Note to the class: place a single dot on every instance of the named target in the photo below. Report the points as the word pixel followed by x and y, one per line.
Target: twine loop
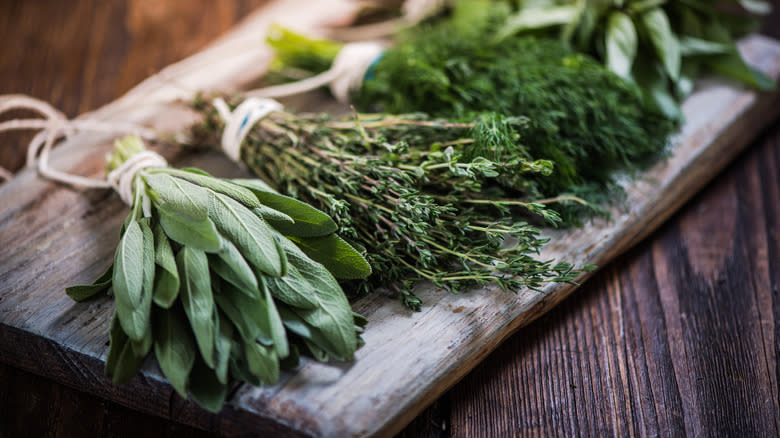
pixel 53 127
pixel 344 76
pixel 240 121
pixel 121 179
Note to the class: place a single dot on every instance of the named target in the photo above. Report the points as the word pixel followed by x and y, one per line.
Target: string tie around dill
pixel 344 77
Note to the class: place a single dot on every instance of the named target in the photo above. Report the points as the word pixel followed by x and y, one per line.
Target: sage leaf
pixel 262 362
pixel 275 326
pixel 621 44
pixel 222 347
pixel 248 315
pixel 175 194
pixel 332 319
pixel 196 233
pixel 238 365
pixel 121 363
pixel 207 391
pixel 336 255
pixel 658 30
pixel 251 235
pixel 231 266
pixel 128 283
pixel 174 348
pixel 651 79
pixel 757 7
pixel 537 18
pixel 690 46
pixel 307 220
pixel 81 292
pixel 218 185
pixel 272 216
pixel 166 283
pixel 197 298
pixel 142 347
pixel 293 289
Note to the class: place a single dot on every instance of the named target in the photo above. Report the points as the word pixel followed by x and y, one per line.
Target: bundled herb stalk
pixel 428 199
pixel 582 117
pixel 222 279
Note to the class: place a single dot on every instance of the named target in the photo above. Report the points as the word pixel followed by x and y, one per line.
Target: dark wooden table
pixel 681 335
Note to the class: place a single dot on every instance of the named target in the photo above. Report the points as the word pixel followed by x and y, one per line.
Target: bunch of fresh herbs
pixel 585 119
pixel 429 199
pixel 663 45
pixel 223 279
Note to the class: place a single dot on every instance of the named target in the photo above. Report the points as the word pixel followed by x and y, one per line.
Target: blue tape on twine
pixel 370 71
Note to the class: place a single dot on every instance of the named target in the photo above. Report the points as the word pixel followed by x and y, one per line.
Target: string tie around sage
pixel 241 120
pixel 55 126
pixel 344 76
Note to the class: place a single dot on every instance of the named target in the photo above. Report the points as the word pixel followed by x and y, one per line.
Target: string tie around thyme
pixel 344 76
pixel 240 121
pixel 55 126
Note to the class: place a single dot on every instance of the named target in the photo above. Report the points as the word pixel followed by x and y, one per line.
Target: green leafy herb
pixel 196 273
pixel 427 199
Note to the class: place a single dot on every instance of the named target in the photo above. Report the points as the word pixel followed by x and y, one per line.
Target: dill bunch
pixel 406 189
pixel 582 117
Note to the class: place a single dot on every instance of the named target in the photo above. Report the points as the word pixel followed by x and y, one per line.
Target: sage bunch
pixel 223 280
pixel 428 199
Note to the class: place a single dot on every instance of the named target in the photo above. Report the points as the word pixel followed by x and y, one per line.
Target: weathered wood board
pixel 53 236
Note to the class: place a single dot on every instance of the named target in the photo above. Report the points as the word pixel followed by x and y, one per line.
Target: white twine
pixel 121 178
pixel 344 76
pixel 239 122
pixel 54 126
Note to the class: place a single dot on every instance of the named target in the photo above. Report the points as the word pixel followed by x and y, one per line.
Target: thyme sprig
pixel 427 198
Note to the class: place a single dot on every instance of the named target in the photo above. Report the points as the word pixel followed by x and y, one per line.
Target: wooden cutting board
pixel 53 236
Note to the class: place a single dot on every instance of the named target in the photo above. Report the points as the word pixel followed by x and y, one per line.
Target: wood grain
pixel 510 398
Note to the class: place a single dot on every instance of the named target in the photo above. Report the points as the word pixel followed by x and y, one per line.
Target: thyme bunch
pixel 428 199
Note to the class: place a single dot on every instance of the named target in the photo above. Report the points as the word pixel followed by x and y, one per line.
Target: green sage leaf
pixel 174 348
pixel 537 18
pixel 338 257
pixel 659 31
pixel 121 363
pixel 196 233
pixel 219 185
pixel 307 220
pixel 293 289
pixel 128 283
pixel 222 347
pixel 251 235
pixel 262 362
pixel 206 389
pixel 332 319
pixel 275 326
pixel 621 44
pixel 166 283
pixel 174 194
pixel 231 266
pixel 248 315
pixel 690 46
pixel 81 292
pixel 197 298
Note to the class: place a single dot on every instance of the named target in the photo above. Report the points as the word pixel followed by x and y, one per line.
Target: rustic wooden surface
pixel 680 335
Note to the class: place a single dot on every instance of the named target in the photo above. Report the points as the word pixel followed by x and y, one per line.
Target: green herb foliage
pixel 583 118
pixel 197 274
pixel 428 199
pixel 660 45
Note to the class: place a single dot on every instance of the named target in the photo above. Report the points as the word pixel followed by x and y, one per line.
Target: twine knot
pixel 240 121
pixel 345 75
pixel 121 179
